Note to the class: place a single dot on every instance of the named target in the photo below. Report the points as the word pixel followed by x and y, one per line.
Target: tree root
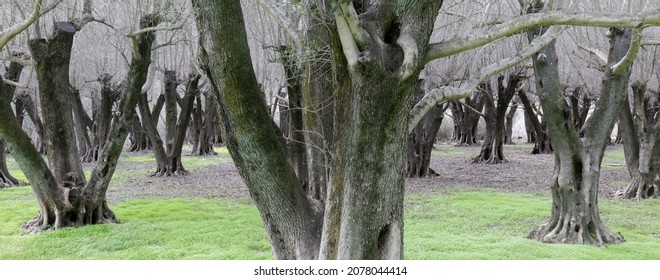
pixel 638 189
pixel 570 232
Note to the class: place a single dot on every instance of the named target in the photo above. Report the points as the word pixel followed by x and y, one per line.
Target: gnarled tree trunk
pixel 420 144
pixel 575 217
pixel 542 143
pixel 640 127
pixel 492 150
pixel 466 119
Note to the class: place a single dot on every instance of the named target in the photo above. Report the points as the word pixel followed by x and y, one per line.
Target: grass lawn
pixel 459 224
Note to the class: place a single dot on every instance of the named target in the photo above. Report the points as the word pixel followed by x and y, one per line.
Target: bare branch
pixel 524 22
pixel 452 93
pixel 11 32
pixel 599 54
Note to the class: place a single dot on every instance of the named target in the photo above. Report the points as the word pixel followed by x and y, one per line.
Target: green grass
pixel 458 224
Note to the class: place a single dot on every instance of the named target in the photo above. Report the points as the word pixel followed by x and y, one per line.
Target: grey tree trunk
pixel 466 117
pixel 541 140
pixel 492 150
pixel 508 136
pixel 168 154
pixel 640 129
pixel 52 57
pixel 204 125
pixel 575 217
pixel 420 144
pixel 294 113
pixel 13 74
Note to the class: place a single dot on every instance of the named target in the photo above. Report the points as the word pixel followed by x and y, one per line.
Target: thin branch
pixel 527 21
pixel 282 21
pixel 453 93
pixel 599 54
pixel 11 32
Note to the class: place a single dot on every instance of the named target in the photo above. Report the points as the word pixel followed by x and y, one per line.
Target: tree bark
pixel 168 154
pixel 296 139
pixel 508 136
pixel 13 74
pixel 466 117
pixel 205 125
pixel 52 57
pixel 102 116
pixel 492 151
pixel 292 221
pixel 422 139
pixel 138 136
pixel 640 127
pixel 575 217
pixel 542 143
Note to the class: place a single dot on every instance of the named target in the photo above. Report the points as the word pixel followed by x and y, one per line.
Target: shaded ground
pixel 215 176
pixel 523 172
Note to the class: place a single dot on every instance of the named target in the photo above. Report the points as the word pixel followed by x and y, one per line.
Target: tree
pixel 640 127
pixel 168 153
pixel 422 139
pixel 13 74
pixel 575 217
pixel 538 133
pixel 492 150
pixel 466 119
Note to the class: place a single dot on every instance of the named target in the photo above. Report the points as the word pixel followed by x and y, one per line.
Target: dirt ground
pixel 522 173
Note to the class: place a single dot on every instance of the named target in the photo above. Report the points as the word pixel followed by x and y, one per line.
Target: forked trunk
pixel 640 129
pixel 466 117
pixel 575 217
pixel 542 144
pixel 420 144
pixel 492 150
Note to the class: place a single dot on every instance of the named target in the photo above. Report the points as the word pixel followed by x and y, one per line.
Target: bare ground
pixel 522 173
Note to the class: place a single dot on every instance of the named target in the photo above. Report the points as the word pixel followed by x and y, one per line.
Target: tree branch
pixel 527 21
pixel 598 53
pixel 627 60
pixel 450 93
pixel 350 33
pixel 11 32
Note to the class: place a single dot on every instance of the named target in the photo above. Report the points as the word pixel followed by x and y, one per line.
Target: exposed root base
pixel 567 233
pixel 638 190
pixel 170 172
pixel 489 160
pixel 101 215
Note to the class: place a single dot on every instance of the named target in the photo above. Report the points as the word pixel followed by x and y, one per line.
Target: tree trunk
pixel 320 81
pixel 52 57
pixel 640 131
pixel 6 180
pixel 67 201
pixel 466 119
pixel 580 104
pixel 296 138
pixel 102 113
pixel 575 218
pixel 541 139
pixel 422 139
pixel 138 136
pixel 205 123
pixel 30 108
pixel 82 123
pixel 168 156
pixel 13 74
pixel 508 136
pixel 492 151
pixel 292 221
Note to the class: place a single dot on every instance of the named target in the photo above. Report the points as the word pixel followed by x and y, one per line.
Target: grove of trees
pixel 327 106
